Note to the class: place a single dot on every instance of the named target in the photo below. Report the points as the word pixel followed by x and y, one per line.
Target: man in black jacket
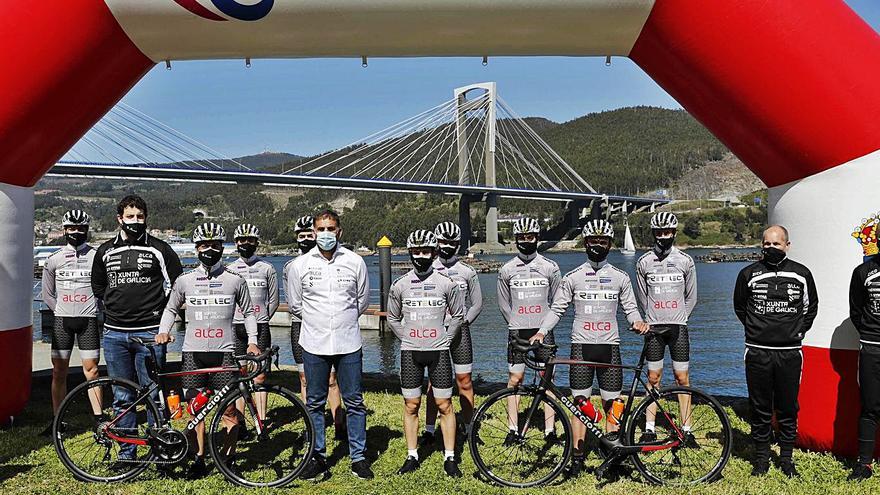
pixel 864 311
pixel 132 275
pixel 776 301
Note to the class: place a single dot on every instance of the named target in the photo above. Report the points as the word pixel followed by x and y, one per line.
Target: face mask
pixel 75 238
pixel 421 263
pixel 527 248
pixel 306 245
pixel 447 252
pixel 597 253
pixel 210 257
pixel 326 240
pixel 773 255
pixel 664 243
pixel 134 229
pixel 247 250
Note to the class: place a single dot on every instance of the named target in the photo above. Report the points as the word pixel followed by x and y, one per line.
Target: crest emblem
pixel 866 234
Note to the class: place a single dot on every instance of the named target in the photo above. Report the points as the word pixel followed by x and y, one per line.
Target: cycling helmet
pixel 664 220
pixel 304 223
pixel 209 232
pixel 526 225
pixel 246 230
pixel 447 231
pixel 75 217
pixel 421 238
pixel 598 228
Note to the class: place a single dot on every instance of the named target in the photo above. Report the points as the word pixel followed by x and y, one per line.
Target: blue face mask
pixel 326 240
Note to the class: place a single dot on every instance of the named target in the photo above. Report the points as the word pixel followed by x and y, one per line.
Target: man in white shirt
pixel 328 290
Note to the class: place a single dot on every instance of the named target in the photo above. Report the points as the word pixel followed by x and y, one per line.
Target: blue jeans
pixel 348 376
pixel 126 359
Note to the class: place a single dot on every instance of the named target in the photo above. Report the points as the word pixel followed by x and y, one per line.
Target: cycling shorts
pixel 264 338
pixel 82 329
pixel 412 373
pixel 462 351
pixel 676 338
pixel 294 343
pixel 192 361
pixel 581 376
pixel 516 360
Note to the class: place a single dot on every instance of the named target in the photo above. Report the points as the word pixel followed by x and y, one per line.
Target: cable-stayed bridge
pixel 474 146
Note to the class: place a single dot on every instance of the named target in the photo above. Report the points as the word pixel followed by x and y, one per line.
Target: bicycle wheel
pixel 276 456
pixel 525 458
pixel 705 453
pixel 83 446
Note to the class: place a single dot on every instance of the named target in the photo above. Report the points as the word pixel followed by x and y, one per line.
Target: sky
pixel 309 106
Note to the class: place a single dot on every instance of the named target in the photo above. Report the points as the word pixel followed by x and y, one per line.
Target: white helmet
pixel 304 223
pixel 209 232
pixel 664 220
pixel 421 238
pixel 246 230
pixel 75 217
pixel 598 228
pixel 526 225
pixel 447 231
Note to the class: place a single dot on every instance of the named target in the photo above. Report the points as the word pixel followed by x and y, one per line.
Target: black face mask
pixel 246 250
pixel 527 248
pixel 210 257
pixel 447 252
pixel 134 230
pixel 306 245
pixel 663 244
pixel 597 253
pixel 75 238
pixel 773 255
pixel 421 264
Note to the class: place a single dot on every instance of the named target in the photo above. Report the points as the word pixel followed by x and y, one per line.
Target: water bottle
pixel 616 411
pixel 587 408
pixel 196 404
pixel 173 403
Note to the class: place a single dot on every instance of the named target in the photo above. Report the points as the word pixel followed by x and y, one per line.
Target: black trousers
pixel 773 378
pixel 869 389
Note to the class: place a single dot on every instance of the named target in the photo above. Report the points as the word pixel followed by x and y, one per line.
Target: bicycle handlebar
pixel 263 361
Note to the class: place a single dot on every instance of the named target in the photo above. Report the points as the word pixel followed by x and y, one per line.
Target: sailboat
pixel 629 248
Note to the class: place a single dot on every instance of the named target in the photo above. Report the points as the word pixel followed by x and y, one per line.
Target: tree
pixel 692 227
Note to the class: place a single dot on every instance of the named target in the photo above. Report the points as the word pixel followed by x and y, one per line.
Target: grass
pixel 28 464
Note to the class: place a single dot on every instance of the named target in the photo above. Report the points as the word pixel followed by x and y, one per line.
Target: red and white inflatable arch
pixel 791 86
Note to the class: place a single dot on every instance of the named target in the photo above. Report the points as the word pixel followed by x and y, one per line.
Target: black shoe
pixel 47 432
pixel 316 469
pixel 788 469
pixel 362 470
pixel 245 434
pixel 511 438
pixel 551 438
pixel 576 467
pixel 122 465
pixel 427 439
pixel 648 437
pixel 860 472
pixel 760 468
pixel 409 465
pixel 197 470
pixel 690 442
pixel 451 468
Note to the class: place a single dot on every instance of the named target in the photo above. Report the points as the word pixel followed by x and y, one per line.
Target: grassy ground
pixel 28 464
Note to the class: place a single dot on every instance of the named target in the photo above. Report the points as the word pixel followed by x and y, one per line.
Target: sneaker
pixel 245 434
pixel 197 470
pixel 316 469
pixel 861 472
pixel 690 442
pixel 47 432
pixel 122 465
pixel 362 470
pixel 576 467
pixel 427 439
pixel 760 468
pixel 788 469
pixel 648 437
pixel 551 438
pixel 511 438
pixel 451 468
pixel 409 465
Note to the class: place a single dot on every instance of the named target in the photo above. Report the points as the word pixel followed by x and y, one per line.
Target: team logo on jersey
pixel 866 234
pixel 236 9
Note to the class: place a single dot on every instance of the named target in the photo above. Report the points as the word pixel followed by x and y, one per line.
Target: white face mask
pixel 326 240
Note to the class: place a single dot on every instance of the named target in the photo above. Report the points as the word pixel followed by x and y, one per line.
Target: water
pixel 716 335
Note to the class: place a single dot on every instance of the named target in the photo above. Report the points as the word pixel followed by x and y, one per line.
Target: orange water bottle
pixel 173 402
pixel 616 411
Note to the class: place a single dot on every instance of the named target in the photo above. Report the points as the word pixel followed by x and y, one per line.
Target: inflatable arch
pixel 790 86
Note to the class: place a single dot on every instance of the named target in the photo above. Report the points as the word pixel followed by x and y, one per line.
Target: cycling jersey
pixel 67 282
pixel 211 299
pixel 525 289
pixel 597 289
pixel 262 285
pixel 468 284
pixel 417 308
pixel 285 276
pixel 864 300
pixel 667 287
pixel 776 304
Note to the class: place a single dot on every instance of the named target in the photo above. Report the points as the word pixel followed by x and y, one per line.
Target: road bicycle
pixel 112 429
pixel 692 444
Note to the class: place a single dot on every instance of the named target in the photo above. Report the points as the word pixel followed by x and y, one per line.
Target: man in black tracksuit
pixel 776 301
pixel 864 311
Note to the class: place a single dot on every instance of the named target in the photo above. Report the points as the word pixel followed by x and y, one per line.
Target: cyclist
pixel 448 237
pixel 526 286
pixel 667 290
pixel 212 294
pixel 597 289
pixel 305 239
pixel 263 287
pixel 425 311
pixel 67 291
